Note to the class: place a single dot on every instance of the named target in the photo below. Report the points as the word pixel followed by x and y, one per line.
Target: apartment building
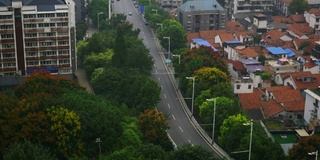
pixel 202 15
pixel 170 3
pixel 37 35
pixel 248 6
pixel 313 18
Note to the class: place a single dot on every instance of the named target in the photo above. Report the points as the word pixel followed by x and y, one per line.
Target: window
pixel 9 65
pixel 63 33
pixel 27 16
pixel 8 74
pixel 7 46
pixel 49 34
pixel 45 62
pixel 30 25
pixel 62 14
pixel 46 43
pixel 6 17
pixel 41 25
pixel 7 36
pixel 238 86
pixel 8 55
pixel 63 52
pixel 48 53
pixel 32 63
pixel 63 43
pixel 64 61
pixel 249 87
pixel 46 15
pixel 6 26
pixel 62 24
pixel 31 44
pixel 31 54
pixel 30 34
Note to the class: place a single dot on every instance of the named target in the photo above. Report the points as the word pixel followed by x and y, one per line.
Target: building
pixel 281 7
pixel 313 18
pixel 170 3
pixel 202 15
pixel 37 35
pixel 248 6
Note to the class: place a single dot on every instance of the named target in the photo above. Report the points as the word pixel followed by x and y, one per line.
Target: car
pixel 136 5
pixel 130 14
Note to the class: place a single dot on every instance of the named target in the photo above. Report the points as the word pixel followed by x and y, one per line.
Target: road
pixel 181 130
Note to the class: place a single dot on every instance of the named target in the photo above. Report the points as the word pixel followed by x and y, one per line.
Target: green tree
pixel 94 61
pixel 120 57
pixel 303 147
pixel 81 30
pixel 98 6
pixel 188 152
pixel 27 150
pixel 225 107
pixel 298 6
pixel 209 77
pixel 175 31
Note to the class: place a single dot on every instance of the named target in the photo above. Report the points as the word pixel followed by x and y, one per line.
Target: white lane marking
pixel 190 142
pixel 159 78
pixel 180 129
pixel 164 95
pixel 161 87
pixel 169 106
pixel 173 117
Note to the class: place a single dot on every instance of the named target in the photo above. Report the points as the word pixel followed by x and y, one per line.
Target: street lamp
pixel 155 10
pixel 314 153
pixel 177 56
pixel 159 24
pixel 214 116
pixel 251 124
pixel 98 140
pixel 168 46
pixel 99 19
pixel 193 83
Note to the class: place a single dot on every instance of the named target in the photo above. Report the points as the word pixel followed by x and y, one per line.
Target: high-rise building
pixel 37 35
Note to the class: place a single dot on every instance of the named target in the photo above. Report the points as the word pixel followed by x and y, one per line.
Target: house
pixel 275 38
pixel 202 15
pixel 197 42
pixel 313 18
pixel 311 111
pixel 282 65
pixel 241 52
pixel 302 81
pixel 170 4
pixel 251 104
pixel 252 67
pixel 300 30
pixel 260 23
pixel 38 35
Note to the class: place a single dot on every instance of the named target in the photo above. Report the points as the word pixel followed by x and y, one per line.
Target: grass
pixel 291 138
pixel 273 125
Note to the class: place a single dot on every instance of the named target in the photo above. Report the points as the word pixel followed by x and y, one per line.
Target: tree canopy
pixel 298 6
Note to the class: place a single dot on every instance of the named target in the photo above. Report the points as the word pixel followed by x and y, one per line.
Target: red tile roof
pixel 251 100
pixel 272 37
pixel 281 19
pixel 210 34
pixel 191 36
pixel 314 11
pixel 300 28
pixel 310 65
pixel 247 52
pixel 226 37
pixel 238 66
pixel 306 85
pixel 291 99
pixel 271 107
pixel 297 18
pixel 233 26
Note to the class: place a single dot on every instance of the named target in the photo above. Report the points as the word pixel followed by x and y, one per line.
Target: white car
pixel 130 14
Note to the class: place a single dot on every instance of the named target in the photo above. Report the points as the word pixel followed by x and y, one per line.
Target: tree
pixel 120 57
pixel 81 30
pixel 27 150
pixel 97 6
pixel 188 152
pixel 303 147
pixel 298 6
pixel 225 107
pixel 94 61
pixel 175 30
pixel 153 126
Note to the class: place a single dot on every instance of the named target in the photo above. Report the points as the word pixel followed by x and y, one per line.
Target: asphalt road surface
pixel 181 131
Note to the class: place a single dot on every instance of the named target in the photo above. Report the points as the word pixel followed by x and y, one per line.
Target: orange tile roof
pixel 306 85
pixel 237 65
pixel 281 19
pixel 191 36
pixel 297 18
pixel 251 100
pixel 226 37
pixel 292 99
pixel 244 33
pixel 248 52
pixel 300 28
pixel 272 37
pixel 233 26
pixel 210 34
pixel 276 88
pixel 314 11
pixel 271 107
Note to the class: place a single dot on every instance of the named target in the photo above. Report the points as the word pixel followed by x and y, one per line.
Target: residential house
pixel 224 37
pixel 282 65
pixel 275 38
pixel 313 18
pixel 236 52
pixel 316 50
pixel 302 81
pixel 202 15
pixel 260 23
pixel 313 67
pixel 252 67
pixel 197 42
pixel 251 104
pixel 37 35
pixel 300 30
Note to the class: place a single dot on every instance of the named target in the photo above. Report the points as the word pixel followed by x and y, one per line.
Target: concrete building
pixel 37 35
pixel 202 15
pixel 281 7
pixel 170 3
pixel 248 6
pixel 313 18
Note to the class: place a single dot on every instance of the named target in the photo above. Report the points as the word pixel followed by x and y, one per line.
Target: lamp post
pixel 251 124
pixel 99 19
pixel 159 24
pixel 214 116
pixel 177 56
pixel 168 46
pixel 98 140
pixel 193 83
pixel 314 153
pixel 155 10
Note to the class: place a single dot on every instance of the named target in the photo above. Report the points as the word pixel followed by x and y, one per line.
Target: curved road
pixel 181 129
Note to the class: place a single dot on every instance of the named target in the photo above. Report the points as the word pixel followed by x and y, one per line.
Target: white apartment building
pixel 313 18
pixel 248 6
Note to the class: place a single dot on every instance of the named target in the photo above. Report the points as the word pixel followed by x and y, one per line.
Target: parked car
pixel 130 14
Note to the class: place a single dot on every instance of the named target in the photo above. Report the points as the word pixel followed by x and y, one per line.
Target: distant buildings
pixel 37 35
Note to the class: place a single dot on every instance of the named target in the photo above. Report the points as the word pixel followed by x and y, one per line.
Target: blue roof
pixel 318 63
pixel 290 52
pixel 249 61
pixel 233 42
pixel 276 50
pixel 202 42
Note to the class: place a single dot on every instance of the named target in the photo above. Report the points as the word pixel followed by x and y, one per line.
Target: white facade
pixel 243 85
pixel 311 109
pixel 313 70
pixel 313 19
